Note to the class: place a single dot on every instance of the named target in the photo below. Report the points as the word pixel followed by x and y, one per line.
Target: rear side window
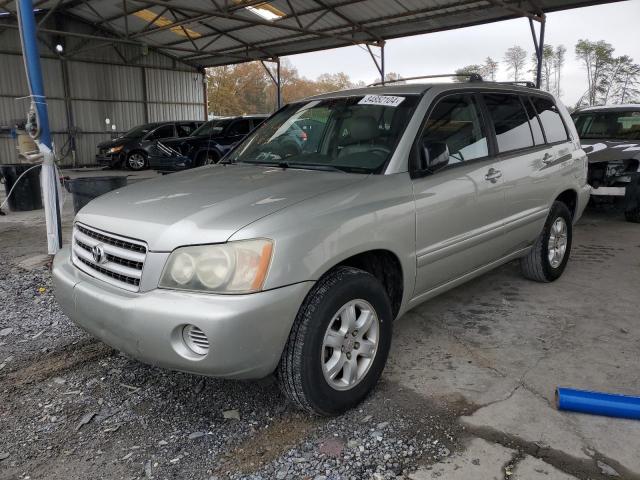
pixel 510 122
pixel 185 129
pixel 164 131
pixel 551 120
pixel 536 129
pixel 453 133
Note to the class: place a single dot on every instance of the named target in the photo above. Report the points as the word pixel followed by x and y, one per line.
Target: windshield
pixel 613 124
pixel 354 134
pixel 140 131
pixel 212 127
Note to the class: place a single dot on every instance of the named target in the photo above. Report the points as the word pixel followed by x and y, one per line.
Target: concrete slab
pixel 505 343
pixel 530 468
pixel 531 419
pixel 481 460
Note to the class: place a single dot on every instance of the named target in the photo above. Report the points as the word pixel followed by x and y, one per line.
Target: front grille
pixel 121 260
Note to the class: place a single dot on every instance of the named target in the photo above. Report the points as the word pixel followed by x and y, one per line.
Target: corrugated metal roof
pixel 200 33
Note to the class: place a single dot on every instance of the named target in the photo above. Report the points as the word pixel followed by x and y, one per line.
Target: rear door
pixel 458 193
pixel 521 149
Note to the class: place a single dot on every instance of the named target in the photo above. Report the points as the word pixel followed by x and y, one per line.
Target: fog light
pixel 195 340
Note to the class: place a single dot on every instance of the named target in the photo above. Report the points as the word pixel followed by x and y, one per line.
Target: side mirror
pixel 435 155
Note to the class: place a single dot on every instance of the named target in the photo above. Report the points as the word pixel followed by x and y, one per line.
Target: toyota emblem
pixel 97 252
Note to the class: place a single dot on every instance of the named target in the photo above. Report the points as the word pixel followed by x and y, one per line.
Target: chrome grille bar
pixel 117 260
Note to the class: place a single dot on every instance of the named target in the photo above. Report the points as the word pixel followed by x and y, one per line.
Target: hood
pixel 113 142
pixel 599 150
pixel 205 205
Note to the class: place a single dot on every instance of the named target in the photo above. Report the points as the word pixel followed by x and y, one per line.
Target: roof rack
pixel 473 77
pixel 526 83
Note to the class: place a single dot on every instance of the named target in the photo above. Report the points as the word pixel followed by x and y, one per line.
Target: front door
pixel 458 194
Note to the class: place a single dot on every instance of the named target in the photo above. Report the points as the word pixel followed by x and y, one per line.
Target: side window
pixel 164 131
pixel 257 122
pixel 185 129
pixel 551 120
pixel 510 121
pixel 240 127
pixel 453 134
pixel 534 121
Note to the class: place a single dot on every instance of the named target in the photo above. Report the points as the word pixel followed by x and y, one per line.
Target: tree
pixel 596 58
pixel 490 69
pixel 248 88
pixel 547 72
pixel 515 58
pixel 628 90
pixel 558 64
pixel 468 70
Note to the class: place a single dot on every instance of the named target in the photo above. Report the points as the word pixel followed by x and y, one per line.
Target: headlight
pixel 116 149
pixel 234 267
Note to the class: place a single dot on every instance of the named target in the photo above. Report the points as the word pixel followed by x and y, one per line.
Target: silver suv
pixel 341 212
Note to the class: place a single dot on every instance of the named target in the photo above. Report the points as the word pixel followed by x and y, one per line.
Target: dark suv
pixel 132 148
pixel 610 135
pixel 207 145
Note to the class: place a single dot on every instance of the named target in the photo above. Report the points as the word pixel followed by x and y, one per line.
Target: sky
pixel 444 52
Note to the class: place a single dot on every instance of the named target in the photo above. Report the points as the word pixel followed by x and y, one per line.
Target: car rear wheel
pixel 549 255
pixel 338 345
pixel 137 161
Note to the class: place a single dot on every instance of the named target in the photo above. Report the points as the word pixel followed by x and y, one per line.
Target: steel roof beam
pixel 257 21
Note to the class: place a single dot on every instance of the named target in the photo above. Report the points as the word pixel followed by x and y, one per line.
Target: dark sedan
pixel 132 149
pixel 207 145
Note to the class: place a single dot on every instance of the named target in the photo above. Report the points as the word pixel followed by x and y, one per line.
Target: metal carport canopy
pixel 207 33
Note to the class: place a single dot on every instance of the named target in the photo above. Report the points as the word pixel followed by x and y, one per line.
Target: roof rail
pixel 526 83
pixel 473 77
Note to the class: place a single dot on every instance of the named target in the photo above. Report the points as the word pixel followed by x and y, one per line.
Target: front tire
pixel 137 161
pixel 549 255
pixel 339 343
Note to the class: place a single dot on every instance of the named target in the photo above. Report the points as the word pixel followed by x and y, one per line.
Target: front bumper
pixel 108 160
pixel 247 333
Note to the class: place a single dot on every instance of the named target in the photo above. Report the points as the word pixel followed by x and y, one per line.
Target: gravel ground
pixel 71 407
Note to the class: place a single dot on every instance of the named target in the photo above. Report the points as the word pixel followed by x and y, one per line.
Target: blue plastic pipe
pixel 597 403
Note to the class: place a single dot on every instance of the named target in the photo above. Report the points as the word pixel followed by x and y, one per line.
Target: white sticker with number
pixel 382 100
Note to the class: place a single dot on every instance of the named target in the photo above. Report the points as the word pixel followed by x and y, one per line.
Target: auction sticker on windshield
pixel 382 100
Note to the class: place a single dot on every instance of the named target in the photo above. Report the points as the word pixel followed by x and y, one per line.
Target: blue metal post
pixel 28 26
pixel 49 179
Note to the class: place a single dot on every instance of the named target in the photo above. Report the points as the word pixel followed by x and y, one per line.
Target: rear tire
pixel 328 367
pixel 549 255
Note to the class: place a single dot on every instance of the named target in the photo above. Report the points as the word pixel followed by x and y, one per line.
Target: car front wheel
pixel 338 345
pixel 549 255
pixel 136 161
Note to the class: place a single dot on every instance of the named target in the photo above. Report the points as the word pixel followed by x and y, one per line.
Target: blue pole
pixel 48 176
pixel 29 39
pixel 598 403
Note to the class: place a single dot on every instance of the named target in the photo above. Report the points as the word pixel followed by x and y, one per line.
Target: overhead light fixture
pixel 59 48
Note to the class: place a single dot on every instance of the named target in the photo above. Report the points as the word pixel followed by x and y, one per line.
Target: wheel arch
pixel 383 264
pixel 570 198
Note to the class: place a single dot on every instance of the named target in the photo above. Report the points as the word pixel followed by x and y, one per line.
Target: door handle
pixel 548 158
pixel 493 175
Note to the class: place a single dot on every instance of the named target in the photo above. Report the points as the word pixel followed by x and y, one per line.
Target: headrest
pixel 363 127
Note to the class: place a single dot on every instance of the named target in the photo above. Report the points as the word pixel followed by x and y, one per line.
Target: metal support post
pixel 49 178
pixel 538 45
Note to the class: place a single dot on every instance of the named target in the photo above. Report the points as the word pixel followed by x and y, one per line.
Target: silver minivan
pixel 297 251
